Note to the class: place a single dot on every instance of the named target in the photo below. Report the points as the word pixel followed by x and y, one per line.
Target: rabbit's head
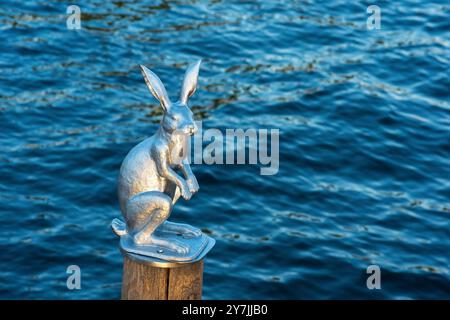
pixel 177 115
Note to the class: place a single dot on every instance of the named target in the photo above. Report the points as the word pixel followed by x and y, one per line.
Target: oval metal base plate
pixel 163 263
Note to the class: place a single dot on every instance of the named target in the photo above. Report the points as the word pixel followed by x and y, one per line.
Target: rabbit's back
pixel 138 173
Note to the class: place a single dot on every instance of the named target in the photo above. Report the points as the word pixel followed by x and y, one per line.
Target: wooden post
pixel 146 281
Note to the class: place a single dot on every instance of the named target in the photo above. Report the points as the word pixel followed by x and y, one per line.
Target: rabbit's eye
pixel 176 118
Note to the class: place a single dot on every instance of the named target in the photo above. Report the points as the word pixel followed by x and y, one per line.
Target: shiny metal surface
pixel 159 263
pixel 154 174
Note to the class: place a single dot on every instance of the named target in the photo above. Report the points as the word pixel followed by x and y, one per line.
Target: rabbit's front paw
pixel 185 193
pixel 193 185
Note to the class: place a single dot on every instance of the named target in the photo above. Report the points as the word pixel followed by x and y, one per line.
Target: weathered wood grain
pixel 142 281
pixel 185 283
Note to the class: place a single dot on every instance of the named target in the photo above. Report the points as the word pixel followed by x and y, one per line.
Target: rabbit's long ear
pixel 190 81
pixel 156 87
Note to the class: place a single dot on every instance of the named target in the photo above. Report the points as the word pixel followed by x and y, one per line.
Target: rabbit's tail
pixel 119 227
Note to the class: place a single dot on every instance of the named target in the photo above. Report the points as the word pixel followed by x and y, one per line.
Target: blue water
pixel 364 123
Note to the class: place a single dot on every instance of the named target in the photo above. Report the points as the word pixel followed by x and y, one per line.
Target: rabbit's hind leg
pixel 145 212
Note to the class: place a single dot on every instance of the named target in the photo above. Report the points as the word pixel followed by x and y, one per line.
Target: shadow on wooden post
pixel 144 281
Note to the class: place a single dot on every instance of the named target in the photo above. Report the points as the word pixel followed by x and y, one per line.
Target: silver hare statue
pixel 154 174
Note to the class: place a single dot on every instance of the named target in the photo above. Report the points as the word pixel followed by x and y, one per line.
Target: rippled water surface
pixel 364 143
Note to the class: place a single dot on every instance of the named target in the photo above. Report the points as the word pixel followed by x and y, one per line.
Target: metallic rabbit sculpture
pixel 149 185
